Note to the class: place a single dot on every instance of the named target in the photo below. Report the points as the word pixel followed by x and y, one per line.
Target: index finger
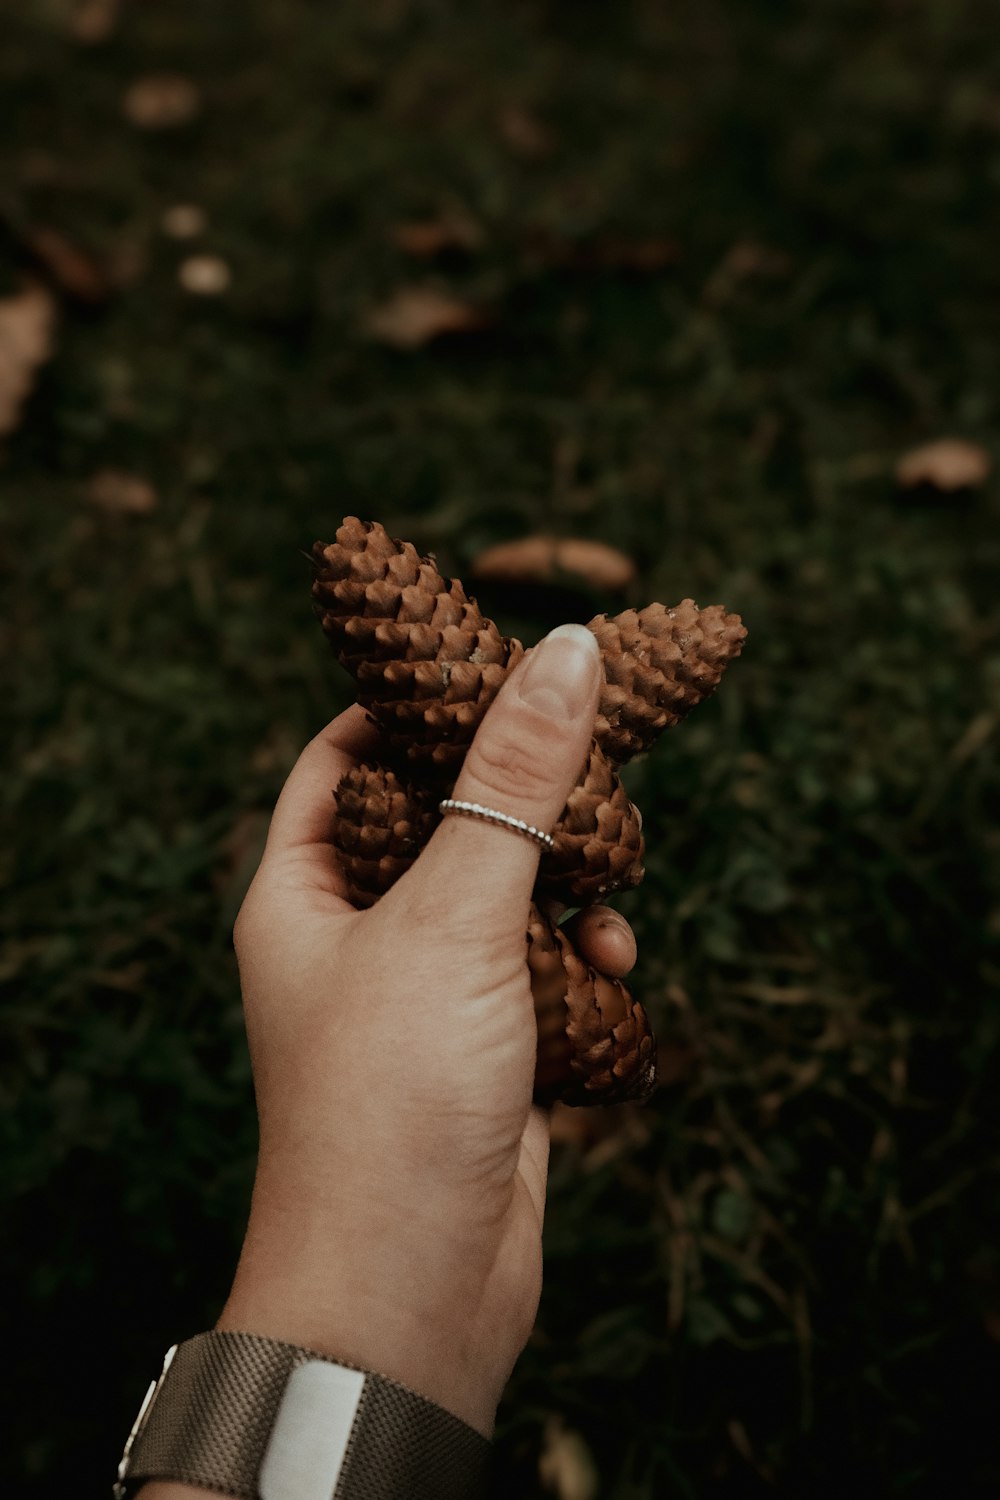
pixel 303 814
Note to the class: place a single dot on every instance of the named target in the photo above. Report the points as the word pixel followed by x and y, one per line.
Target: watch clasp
pixel 118 1491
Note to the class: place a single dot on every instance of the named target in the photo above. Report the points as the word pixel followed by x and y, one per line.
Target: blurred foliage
pixel 736 258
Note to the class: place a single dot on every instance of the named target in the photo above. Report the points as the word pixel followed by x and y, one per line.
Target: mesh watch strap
pixel 221 1416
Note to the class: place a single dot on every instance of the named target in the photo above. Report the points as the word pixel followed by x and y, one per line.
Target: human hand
pixel 397 1209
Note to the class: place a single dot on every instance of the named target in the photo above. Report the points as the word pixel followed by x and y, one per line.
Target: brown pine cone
pixel 660 664
pixel 548 990
pixel 598 844
pixel 595 1045
pixel 380 826
pixel 427 662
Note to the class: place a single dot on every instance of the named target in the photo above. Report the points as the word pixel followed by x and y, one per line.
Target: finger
pixel 604 938
pixel 303 815
pixel 526 757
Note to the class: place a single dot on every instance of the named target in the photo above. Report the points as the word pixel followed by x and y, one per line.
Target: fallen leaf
pixel 121 493
pixel 745 261
pixel 183 221
pixel 127 262
pixel 533 559
pixel 426 238
pixel 278 751
pixel 978 733
pixel 619 253
pixel 73 270
pixel 415 315
pixel 601 1134
pixel 566 1465
pixel 204 275
pixel 570 1127
pixel 750 258
pixel 239 849
pixel 161 101
pixel 675 1064
pixel 643 255
pixel 27 327
pixel 94 21
pixel 740 1440
pixel 948 464
pixel 525 133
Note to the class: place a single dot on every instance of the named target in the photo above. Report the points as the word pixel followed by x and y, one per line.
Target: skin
pixel 396 1220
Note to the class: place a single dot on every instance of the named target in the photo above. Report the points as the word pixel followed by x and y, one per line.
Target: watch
pixel 263 1420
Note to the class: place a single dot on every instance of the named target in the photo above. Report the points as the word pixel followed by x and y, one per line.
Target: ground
pixel 688 279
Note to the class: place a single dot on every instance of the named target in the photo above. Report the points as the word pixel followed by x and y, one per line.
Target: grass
pixel 782 1277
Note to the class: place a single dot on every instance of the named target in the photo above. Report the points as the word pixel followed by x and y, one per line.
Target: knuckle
pixel 510 766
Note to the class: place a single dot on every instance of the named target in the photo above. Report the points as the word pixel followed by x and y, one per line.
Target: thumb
pixel 524 761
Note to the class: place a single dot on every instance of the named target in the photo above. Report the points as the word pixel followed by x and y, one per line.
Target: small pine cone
pixel 548 988
pixel 427 661
pixel 660 664
pixel 598 844
pixel 380 826
pixel 595 1045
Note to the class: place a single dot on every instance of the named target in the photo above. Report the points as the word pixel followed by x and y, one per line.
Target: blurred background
pixel 713 284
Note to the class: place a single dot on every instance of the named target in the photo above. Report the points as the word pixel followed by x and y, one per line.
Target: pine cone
pixel 659 664
pixel 548 990
pixel 382 823
pixel 427 662
pixel 598 844
pixel 380 826
pixel 595 1045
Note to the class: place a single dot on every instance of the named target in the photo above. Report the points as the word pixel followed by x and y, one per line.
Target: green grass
pixel 783 1275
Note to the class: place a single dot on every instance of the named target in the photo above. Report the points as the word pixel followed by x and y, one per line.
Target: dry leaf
pixel 525 133
pixel 204 275
pixel 161 101
pixel 749 258
pixel 426 238
pixel 744 261
pixel 127 262
pixel 641 256
pixel 94 21
pixel 121 493
pixel 619 253
pixel 675 1063
pixel 534 559
pixel 565 1465
pixel 948 464
pixel 415 315
pixel 183 221
pixel 239 850
pixel 27 326
pixel 73 270
pixel 570 1127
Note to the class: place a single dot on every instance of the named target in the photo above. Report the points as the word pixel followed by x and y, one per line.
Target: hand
pixel 397 1210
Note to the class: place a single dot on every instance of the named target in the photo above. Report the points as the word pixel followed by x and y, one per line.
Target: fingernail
pixel 614 919
pixel 561 672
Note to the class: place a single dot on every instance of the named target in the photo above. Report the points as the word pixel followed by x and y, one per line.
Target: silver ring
pixel 490 815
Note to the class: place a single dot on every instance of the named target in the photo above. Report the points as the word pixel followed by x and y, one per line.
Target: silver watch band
pixel 263 1420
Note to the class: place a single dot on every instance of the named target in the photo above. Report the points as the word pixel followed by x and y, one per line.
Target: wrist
pixel 398 1299
pixel 430 1361
pixel 248 1415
